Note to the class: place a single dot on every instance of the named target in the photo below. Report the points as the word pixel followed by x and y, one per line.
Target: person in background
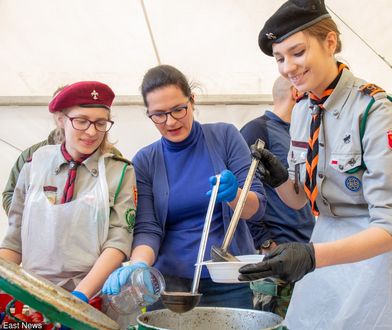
pixel 340 156
pixel 173 178
pixel 15 171
pixel 74 205
pixel 280 223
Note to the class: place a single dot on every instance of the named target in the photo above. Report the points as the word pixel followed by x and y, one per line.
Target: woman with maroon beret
pixel 72 212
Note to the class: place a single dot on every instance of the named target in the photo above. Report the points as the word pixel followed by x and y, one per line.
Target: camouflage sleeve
pixel 116 152
pixel 13 177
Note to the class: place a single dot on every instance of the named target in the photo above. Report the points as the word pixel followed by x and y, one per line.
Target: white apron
pixel 62 242
pixel 351 296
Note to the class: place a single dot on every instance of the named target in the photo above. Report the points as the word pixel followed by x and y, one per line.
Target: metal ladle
pixel 181 302
pixel 221 253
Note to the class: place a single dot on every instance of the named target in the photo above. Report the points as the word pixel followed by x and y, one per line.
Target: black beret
pixel 291 17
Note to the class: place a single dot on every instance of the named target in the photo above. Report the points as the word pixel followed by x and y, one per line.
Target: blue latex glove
pixel 228 186
pixel 80 295
pixel 151 297
pixel 120 277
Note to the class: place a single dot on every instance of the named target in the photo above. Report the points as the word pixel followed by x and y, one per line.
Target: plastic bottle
pixel 144 288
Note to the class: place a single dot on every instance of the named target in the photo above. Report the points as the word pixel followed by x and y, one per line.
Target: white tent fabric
pixel 48 43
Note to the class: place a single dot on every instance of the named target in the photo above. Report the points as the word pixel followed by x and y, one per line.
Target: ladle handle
pixel 242 199
pixel 204 236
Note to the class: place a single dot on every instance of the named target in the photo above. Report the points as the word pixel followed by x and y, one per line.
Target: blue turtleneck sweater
pixel 188 165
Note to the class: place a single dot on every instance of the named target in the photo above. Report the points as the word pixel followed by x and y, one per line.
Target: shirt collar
pixel 275 117
pixel 339 96
pixel 191 139
pixel 91 163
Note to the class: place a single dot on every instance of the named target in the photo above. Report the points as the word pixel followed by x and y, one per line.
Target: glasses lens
pixel 80 123
pixel 103 125
pixel 159 118
pixel 179 112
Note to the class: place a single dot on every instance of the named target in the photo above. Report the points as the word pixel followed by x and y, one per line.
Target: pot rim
pixel 278 326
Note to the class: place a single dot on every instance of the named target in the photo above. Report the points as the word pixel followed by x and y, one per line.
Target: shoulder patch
pixel 121 159
pixel 370 89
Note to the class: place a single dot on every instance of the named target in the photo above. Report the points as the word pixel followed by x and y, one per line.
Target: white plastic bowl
pixel 227 271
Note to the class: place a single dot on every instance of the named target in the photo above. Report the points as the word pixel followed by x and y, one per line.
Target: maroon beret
pixel 83 93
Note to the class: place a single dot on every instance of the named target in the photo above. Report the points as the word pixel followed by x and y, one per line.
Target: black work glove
pixel 270 169
pixel 289 262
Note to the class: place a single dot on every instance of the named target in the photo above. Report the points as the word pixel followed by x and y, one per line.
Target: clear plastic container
pixel 144 288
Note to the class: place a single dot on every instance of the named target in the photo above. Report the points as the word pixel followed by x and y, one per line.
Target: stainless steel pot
pixel 211 318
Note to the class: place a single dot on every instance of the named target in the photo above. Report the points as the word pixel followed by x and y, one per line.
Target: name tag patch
pixel 353 183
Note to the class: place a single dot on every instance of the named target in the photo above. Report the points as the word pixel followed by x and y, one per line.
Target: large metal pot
pixel 211 318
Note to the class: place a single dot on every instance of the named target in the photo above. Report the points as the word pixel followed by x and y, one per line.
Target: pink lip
pixel 174 131
pixel 298 78
pixel 88 142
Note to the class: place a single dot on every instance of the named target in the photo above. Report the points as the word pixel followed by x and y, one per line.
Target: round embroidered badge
pixel 130 216
pixel 353 183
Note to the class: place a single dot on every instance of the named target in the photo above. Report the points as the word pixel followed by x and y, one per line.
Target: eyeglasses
pixel 176 113
pixel 83 124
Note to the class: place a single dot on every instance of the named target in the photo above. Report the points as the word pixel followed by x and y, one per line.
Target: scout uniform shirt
pixel 121 185
pixel 344 194
pixel 350 201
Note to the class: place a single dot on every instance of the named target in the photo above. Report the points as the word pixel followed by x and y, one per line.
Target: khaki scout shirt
pixel 341 194
pixel 22 159
pixel 122 209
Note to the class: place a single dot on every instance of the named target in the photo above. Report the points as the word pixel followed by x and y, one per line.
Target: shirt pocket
pixel 346 154
pixel 346 162
pixel 347 175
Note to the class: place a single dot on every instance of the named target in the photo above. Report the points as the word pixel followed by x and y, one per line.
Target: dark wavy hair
pixel 162 76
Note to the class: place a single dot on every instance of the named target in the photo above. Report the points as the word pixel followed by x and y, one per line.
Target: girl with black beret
pixel 339 162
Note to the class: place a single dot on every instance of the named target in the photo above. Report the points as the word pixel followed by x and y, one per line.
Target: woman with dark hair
pixel 172 178
pixel 339 161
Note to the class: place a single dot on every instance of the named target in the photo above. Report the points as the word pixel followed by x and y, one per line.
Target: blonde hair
pixel 321 29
